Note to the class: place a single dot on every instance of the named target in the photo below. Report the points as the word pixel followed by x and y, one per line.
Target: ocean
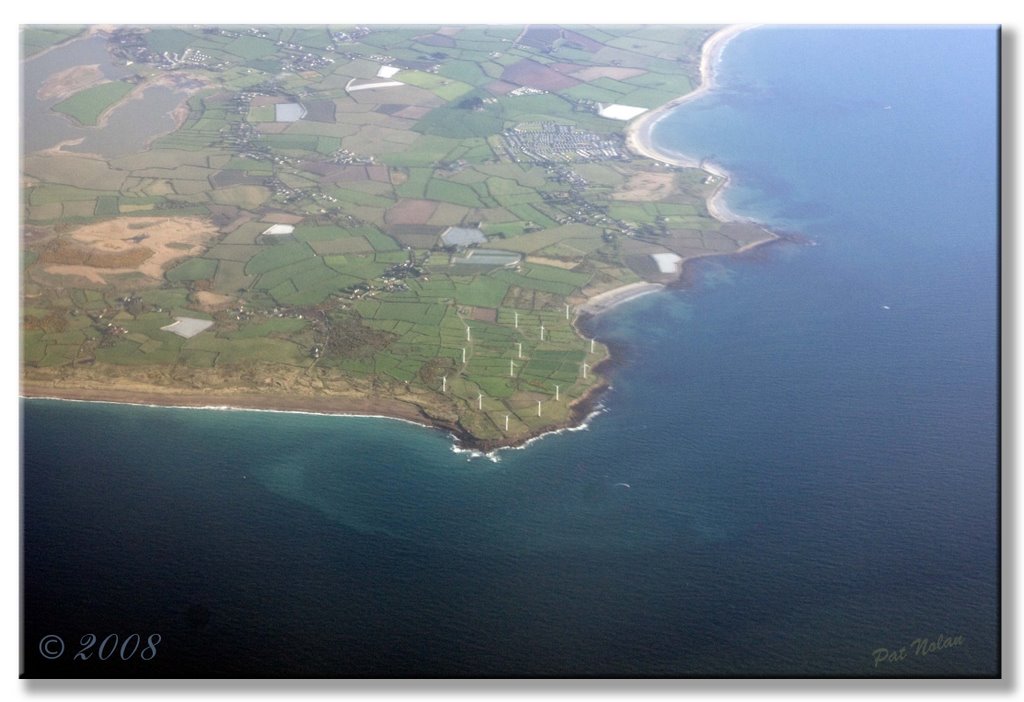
pixel 797 466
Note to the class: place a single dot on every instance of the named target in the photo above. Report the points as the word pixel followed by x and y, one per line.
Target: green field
pixel 86 106
pixel 406 161
pixel 248 47
pixel 455 193
pixel 276 256
pixel 36 39
pixel 424 151
pixel 480 291
pixel 415 184
pixel 456 123
pixel 193 269
pixel 163 39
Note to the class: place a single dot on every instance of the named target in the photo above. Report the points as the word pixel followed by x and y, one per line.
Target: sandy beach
pixel 607 300
pixel 638 139
pixel 338 405
pixel 166 397
pixel 639 131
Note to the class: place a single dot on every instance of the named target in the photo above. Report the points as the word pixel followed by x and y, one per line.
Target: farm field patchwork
pixel 297 213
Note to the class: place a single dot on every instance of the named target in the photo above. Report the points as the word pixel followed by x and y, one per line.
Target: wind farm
pixel 307 233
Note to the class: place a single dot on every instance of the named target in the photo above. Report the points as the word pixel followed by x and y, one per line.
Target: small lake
pixel 129 127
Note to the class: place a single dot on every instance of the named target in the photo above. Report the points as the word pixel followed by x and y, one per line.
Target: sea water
pixel 797 466
pixel 127 129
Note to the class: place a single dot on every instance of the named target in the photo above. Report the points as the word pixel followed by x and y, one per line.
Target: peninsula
pixel 413 222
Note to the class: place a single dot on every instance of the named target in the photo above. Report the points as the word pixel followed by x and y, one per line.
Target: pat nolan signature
pixel 917 647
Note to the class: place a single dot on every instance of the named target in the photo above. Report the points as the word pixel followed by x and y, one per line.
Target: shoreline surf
pixel 374 407
pixel 639 139
pixel 640 131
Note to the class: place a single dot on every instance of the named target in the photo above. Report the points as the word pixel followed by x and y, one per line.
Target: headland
pixel 323 279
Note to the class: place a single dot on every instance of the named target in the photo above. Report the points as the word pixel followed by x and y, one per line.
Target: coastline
pixel 367 406
pixel 616 296
pixel 639 132
pixel 338 406
pixel 638 139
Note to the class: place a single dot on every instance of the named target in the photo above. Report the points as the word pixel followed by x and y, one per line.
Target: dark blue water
pixel 812 476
